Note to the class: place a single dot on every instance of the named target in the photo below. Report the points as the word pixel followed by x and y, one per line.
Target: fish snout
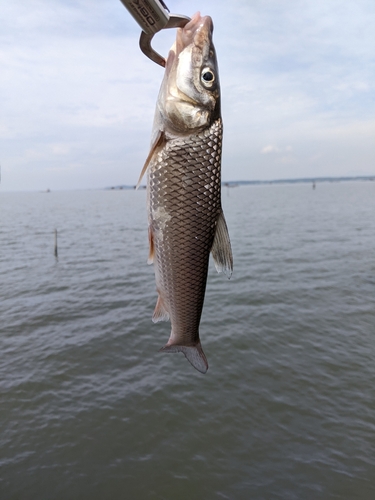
pixel 196 31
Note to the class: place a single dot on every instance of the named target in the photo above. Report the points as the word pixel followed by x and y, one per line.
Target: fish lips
pixel 197 31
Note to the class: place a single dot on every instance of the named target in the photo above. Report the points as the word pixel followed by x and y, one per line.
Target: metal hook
pixel 153 16
pixel 174 21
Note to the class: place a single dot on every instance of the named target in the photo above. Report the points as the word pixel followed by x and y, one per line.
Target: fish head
pixel 189 97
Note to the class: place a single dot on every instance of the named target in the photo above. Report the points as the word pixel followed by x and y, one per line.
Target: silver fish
pixel 186 221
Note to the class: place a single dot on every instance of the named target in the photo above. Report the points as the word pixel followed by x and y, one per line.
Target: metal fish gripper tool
pixel 153 16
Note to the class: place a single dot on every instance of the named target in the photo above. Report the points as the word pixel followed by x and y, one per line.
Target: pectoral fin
pixel 155 148
pixel 221 249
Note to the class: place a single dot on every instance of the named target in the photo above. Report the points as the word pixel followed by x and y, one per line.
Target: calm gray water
pixel 90 409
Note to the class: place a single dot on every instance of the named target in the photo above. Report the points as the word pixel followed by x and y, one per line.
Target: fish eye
pixel 207 77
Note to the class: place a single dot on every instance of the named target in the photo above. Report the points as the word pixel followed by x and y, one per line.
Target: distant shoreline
pixel 229 184
pixel 308 180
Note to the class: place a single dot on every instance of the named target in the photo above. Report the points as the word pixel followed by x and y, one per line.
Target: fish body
pixel 186 221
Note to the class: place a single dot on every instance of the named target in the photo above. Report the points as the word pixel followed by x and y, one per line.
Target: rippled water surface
pixel 90 409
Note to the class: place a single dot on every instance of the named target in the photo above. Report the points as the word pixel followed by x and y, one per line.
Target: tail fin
pixel 194 354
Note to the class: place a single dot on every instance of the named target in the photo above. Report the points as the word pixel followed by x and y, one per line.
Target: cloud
pixel 269 149
pixel 297 81
pixel 275 149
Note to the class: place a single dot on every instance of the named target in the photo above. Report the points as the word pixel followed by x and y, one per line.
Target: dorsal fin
pixel 221 249
pixel 155 148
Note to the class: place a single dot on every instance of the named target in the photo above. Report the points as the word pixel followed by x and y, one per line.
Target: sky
pixel 77 96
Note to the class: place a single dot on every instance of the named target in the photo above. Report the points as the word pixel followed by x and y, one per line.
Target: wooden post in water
pixel 56 254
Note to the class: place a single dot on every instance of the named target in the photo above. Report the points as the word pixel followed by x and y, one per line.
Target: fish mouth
pixel 197 31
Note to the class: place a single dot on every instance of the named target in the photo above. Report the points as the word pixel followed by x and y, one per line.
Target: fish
pixel 185 217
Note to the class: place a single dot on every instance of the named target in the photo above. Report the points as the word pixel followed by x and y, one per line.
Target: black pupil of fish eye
pixel 208 76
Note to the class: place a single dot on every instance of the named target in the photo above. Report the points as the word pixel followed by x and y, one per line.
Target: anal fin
pixel 221 249
pixel 160 312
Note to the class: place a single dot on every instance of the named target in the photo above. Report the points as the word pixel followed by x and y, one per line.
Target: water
pixel 90 410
